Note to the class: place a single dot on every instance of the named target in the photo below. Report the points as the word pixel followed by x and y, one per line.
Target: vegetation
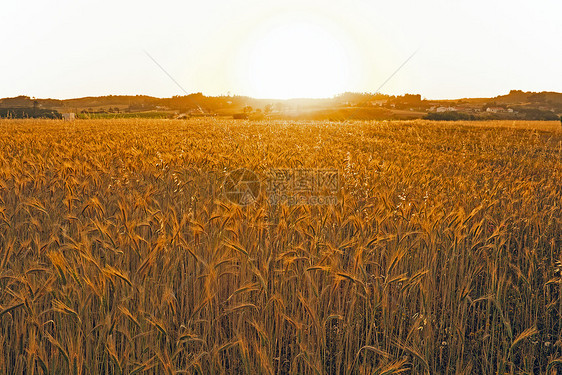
pixel 521 113
pixel 120 254
pixel 534 113
pixel 449 116
pixel 21 113
pixel 133 115
pixel 347 106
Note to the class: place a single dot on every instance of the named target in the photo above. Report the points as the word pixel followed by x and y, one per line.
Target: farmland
pixel 120 252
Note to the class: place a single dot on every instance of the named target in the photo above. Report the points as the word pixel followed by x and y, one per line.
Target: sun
pixel 295 60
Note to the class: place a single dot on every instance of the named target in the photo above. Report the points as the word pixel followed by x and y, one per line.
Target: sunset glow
pixel 295 59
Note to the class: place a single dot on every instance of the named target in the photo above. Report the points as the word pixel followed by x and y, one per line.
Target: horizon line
pixel 275 99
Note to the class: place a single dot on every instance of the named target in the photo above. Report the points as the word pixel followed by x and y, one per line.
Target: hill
pixel 515 105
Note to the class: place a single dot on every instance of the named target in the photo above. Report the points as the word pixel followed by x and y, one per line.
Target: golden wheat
pixel 120 253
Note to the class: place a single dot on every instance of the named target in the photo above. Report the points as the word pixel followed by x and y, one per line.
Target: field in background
pixel 119 252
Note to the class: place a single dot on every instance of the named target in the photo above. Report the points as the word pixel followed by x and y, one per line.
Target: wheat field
pixel 119 253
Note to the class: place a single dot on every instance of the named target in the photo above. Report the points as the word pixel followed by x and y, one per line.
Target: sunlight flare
pixel 296 59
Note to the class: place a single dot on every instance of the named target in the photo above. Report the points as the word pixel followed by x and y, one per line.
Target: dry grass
pixel 118 253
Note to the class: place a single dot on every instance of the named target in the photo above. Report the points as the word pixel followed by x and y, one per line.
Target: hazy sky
pixel 63 49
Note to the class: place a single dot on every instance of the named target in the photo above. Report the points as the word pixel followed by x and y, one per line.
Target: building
pixel 495 110
pixel 377 103
pixel 445 109
pixel 69 116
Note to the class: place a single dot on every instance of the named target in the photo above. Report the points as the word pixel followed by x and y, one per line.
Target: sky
pixel 279 49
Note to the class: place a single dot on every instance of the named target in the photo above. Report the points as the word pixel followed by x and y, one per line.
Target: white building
pixel 445 109
pixel 495 110
pixel 69 116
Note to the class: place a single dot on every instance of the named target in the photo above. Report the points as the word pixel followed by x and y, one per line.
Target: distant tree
pixel 268 109
pixel 258 114
pixel 248 109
